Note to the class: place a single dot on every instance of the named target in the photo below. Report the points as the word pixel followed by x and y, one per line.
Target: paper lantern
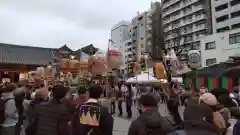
pixel 97 65
pixel 68 63
pixel 21 76
pixel 63 63
pixel 114 58
pixel 40 72
pixel 77 65
pixel 160 70
pixel 72 63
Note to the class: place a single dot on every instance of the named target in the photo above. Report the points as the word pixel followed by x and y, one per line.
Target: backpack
pixel 150 130
pixel 2 109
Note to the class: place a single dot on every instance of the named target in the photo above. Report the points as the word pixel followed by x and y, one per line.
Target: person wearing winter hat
pixel 211 101
pixel 208 99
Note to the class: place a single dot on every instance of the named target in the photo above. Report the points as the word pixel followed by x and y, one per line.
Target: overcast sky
pixel 53 23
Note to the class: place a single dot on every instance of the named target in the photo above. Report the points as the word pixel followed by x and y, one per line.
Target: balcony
pixel 149 36
pixel 149 21
pixel 149 43
pixel 201 27
pixel 149 28
pixel 185 4
pixel 170 3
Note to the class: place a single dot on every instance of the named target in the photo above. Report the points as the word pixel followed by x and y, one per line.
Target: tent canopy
pixel 143 78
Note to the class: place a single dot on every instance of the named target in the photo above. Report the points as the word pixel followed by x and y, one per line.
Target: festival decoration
pixel 97 64
pixel 64 63
pixel 160 70
pixel 72 63
pixel 40 71
pixel 114 58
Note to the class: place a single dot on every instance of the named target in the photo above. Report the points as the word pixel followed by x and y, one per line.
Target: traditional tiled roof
pixel 211 71
pixel 90 49
pixel 16 54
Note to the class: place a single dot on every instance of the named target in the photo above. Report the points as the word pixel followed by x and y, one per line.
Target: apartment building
pixel 185 21
pixel 138 34
pixel 220 47
pixel 225 15
pixel 119 37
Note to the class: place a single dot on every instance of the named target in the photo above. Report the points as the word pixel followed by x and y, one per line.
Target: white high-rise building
pixel 119 37
pixel 138 34
pixel 225 15
pixel 187 19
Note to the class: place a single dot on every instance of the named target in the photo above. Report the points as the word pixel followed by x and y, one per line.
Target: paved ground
pixel 121 125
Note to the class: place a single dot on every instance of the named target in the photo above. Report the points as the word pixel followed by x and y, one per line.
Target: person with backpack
pixel 92 118
pixel 150 122
pixel 8 111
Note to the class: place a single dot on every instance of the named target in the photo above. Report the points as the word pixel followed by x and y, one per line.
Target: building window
pixel 140 18
pixel 221 7
pixel 141 45
pixel 223 29
pixel 235 14
pixel 236 26
pixel 234 38
pixel 234 2
pixel 211 61
pixel 222 18
pixel 210 45
pixel 141 38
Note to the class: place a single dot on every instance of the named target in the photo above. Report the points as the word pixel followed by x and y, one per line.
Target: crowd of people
pixel 61 110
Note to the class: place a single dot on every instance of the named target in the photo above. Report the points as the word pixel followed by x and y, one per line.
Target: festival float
pixel 67 67
pixel 114 61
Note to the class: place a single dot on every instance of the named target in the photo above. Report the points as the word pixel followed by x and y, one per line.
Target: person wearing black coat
pixel 150 122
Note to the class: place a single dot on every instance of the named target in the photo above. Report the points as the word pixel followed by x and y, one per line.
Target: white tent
pixel 143 78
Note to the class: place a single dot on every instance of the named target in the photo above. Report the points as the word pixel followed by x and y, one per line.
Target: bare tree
pixel 177 41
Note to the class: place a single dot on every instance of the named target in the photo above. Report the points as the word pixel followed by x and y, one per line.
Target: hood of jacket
pixel 151 118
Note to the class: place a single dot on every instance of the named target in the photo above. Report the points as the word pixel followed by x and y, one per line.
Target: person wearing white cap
pixel 210 100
